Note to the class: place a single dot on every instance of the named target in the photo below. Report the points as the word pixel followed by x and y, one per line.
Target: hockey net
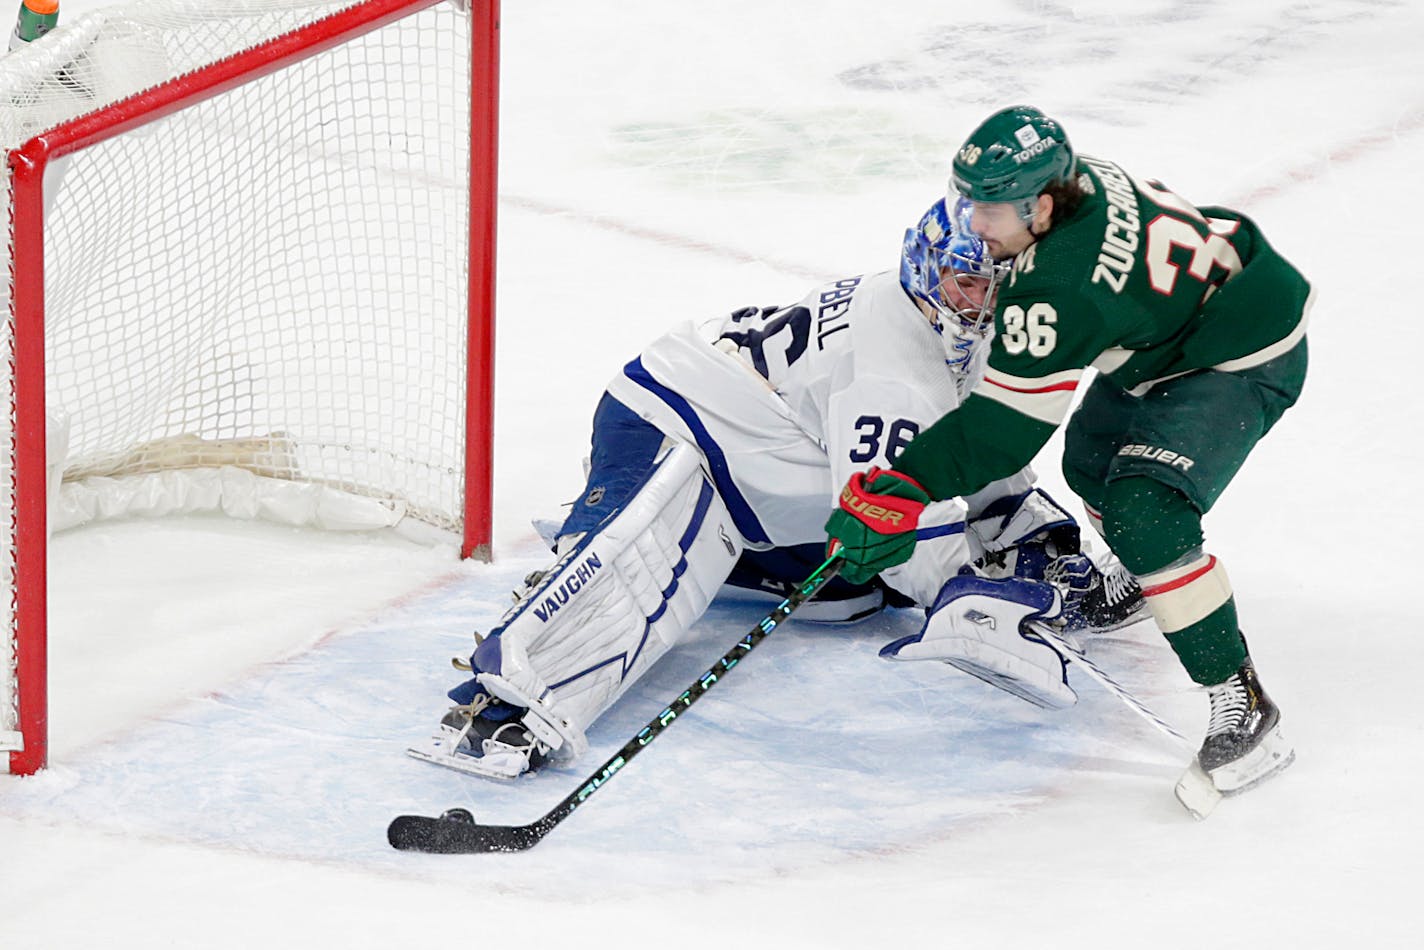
pixel 241 279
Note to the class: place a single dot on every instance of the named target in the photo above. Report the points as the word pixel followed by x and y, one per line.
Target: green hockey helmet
pixel 1013 156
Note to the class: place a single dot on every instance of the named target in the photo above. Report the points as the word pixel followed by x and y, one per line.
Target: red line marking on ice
pixel 668 238
pixel 1412 121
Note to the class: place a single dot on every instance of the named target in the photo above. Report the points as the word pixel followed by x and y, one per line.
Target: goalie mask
pixel 945 266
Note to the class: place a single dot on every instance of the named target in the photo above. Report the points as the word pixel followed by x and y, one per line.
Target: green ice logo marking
pixel 812 151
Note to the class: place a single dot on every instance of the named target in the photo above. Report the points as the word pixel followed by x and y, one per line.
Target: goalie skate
pixel 487 739
pixel 1244 745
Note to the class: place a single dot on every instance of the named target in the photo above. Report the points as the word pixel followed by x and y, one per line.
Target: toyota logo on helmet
pixel 1013 157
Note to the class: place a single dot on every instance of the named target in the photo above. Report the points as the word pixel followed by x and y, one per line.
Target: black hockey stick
pixel 457 832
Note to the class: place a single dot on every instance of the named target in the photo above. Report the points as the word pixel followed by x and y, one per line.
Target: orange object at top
pixel 42 7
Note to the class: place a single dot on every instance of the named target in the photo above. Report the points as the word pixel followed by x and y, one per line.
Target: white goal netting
pixel 257 303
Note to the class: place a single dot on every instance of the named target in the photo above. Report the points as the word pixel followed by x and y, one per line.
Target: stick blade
pixel 453 836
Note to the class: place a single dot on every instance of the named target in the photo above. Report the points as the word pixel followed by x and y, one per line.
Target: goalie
pixel 717 454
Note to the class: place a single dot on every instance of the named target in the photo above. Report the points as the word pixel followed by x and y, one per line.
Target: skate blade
pixel 463 763
pixel 440 751
pixel 1269 758
pixel 1197 792
pixel 1200 792
pixel 1131 620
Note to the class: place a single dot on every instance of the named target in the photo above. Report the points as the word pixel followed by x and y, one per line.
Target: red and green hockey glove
pixel 875 524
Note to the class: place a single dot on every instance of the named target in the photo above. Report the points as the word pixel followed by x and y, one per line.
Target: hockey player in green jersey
pixel 1196 328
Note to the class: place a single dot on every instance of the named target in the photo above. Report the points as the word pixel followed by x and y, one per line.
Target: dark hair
pixel 1067 198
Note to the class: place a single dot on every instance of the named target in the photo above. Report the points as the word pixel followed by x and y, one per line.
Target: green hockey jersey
pixel 1136 283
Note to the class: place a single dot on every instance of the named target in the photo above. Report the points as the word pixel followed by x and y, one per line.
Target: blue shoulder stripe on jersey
pixel 741 512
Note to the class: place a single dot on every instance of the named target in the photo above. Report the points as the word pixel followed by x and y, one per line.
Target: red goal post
pixel 262 280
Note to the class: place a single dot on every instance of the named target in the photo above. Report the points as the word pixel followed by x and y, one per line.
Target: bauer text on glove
pixel 875 523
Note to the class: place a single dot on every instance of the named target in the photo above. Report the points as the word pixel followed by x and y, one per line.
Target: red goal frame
pixel 28 163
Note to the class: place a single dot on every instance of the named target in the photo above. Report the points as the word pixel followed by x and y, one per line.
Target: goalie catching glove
pixel 874 528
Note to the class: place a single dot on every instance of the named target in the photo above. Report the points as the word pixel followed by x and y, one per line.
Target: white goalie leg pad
pixel 614 604
pixel 977 625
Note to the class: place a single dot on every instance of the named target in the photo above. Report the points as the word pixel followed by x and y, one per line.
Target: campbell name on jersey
pixel 786 403
pixel 807 394
pixel 1138 284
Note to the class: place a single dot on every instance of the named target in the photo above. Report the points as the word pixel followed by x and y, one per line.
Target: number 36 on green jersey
pixel 1032 330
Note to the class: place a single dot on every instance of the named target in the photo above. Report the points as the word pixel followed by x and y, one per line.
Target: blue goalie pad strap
pixel 781 570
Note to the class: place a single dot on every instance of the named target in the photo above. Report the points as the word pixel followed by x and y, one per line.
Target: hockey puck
pixel 462 815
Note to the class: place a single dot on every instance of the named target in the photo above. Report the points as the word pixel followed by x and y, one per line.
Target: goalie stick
pixel 456 831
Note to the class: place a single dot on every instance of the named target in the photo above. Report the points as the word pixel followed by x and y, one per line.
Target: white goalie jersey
pixel 786 404
pixel 763 414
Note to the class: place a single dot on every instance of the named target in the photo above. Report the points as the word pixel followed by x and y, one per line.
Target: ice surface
pixel 227 742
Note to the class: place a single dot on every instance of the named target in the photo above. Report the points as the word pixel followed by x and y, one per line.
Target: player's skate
pixel 486 737
pixel 1031 536
pixel 1096 599
pixel 1243 746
